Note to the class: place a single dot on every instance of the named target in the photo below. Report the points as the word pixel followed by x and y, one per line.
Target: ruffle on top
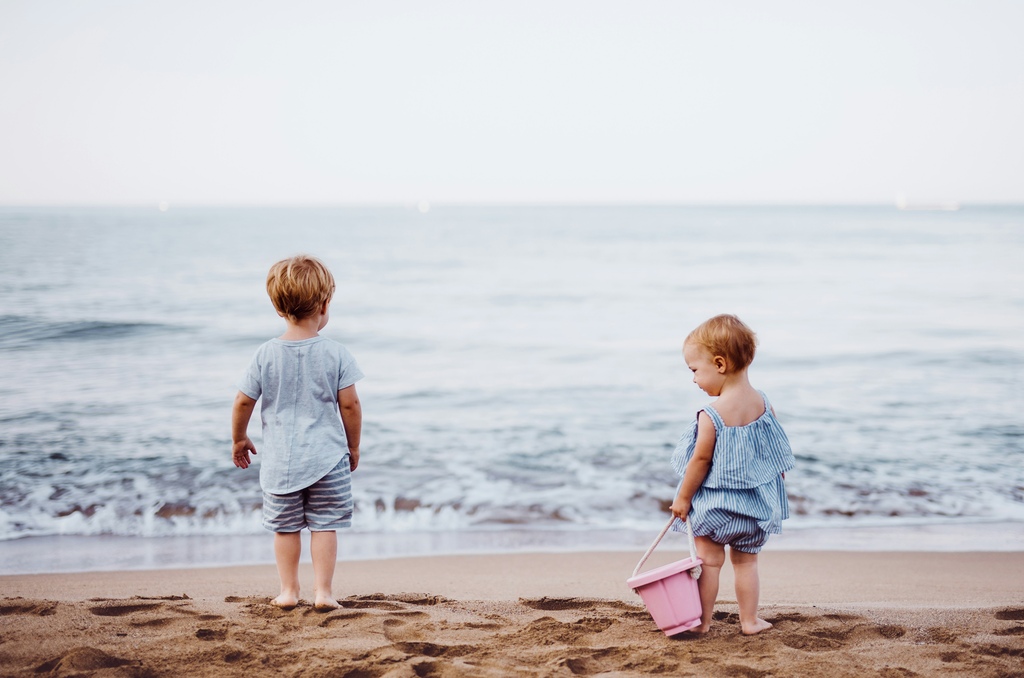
pixel 745 456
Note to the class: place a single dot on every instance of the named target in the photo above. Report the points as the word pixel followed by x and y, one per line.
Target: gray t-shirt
pixel 303 437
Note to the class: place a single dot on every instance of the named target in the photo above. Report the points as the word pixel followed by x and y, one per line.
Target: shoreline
pixel 844 613
pixel 66 554
pixel 849 578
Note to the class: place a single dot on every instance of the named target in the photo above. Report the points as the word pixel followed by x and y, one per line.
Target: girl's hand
pixel 680 508
pixel 353 458
pixel 240 452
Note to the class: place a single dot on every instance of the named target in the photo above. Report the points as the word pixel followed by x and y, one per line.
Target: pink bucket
pixel 670 592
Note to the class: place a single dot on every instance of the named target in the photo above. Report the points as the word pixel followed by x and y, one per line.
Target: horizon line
pixel 166 206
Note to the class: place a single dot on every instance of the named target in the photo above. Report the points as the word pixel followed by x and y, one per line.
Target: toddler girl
pixel 732 460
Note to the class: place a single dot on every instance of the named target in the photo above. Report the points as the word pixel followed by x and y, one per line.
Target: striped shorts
pixel 323 506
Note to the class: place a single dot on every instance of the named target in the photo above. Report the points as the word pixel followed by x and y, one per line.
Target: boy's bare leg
pixel 713 557
pixel 287 548
pixel 323 546
pixel 748 591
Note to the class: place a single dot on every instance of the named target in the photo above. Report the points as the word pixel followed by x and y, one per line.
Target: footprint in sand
pixel 82 659
pixel 235 656
pixel 953 657
pixel 435 650
pixel 363 604
pixel 891 631
pixel 342 618
pixel 836 632
pixel 432 669
pixel 593 624
pixel 940 635
pixel 1015 631
pixel 745 671
pixel 211 634
pixel 590 662
pixel 41 608
pixel 415 598
pixel 808 643
pixel 553 604
pixel 999 650
pixel 122 610
pixel 484 626
pixel 401 630
pixel 896 672
pixel 183 596
pixel 1011 614
pixel 556 604
pixel 548 630
pixel 157 623
pixel 727 617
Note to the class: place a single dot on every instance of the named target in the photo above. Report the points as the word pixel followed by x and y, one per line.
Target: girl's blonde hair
pixel 299 286
pixel 727 336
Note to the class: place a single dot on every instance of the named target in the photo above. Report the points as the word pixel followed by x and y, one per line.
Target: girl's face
pixel 708 370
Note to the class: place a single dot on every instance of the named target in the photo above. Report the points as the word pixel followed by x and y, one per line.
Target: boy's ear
pixel 720 364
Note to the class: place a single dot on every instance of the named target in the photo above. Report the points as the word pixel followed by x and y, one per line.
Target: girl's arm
pixel 773 414
pixel 697 469
pixel 241 446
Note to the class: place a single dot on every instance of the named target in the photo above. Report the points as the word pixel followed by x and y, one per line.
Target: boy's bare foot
pixel 755 628
pixel 325 604
pixel 285 601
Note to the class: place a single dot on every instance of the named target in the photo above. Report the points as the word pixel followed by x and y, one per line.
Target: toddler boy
pixel 309 451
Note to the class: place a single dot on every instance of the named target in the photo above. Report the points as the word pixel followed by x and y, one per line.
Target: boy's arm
pixel 352 420
pixel 697 469
pixel 241 446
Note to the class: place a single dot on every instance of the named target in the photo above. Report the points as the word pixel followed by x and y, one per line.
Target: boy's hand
pixel 240 452
pixel 353 458
pixel 241 446
pixel 680 508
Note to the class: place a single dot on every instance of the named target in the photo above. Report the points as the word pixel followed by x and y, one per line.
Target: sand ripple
pixel 413 634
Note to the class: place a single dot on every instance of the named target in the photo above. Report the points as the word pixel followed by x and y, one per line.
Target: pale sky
pixel 336 102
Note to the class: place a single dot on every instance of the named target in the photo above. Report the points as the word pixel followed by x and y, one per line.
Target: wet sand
pixel 835 613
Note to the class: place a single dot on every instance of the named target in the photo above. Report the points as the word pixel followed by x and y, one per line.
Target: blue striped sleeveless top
pixel 745 457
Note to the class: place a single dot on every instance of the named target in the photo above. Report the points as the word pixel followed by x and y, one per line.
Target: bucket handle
pixel 694 571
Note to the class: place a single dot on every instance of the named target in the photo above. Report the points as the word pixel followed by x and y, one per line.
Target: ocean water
pixel 524 373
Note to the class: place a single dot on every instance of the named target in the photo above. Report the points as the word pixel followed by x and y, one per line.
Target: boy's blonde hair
pixel 727 336
pixel 299 286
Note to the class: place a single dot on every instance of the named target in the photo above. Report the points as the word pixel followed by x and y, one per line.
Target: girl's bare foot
pixel 700 630
pixel 286 601
pixel 758 626
pixel 325 604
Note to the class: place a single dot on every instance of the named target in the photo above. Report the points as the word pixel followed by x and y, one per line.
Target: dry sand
pixel 835 613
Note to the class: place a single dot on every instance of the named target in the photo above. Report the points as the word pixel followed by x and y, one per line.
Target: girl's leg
pixel 713 556
pixel 287 547
pixel 748 591
pixel 323 546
